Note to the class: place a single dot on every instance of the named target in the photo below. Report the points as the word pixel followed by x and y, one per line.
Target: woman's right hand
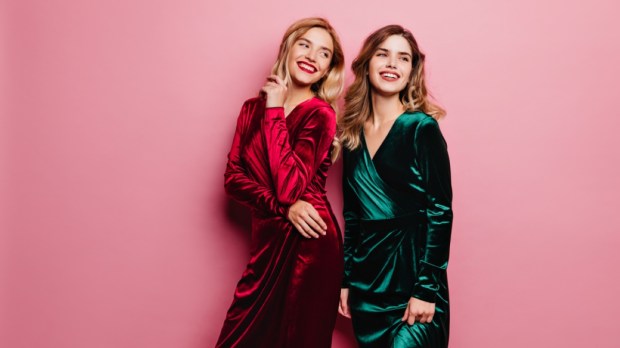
pixel 275 91
pixel 343 306
pixel 306 219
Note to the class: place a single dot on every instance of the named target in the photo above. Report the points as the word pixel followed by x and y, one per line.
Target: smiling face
pixel 310 56
pixel 390 67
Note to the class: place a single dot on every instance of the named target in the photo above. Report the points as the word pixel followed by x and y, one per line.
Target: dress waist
pixel 394 222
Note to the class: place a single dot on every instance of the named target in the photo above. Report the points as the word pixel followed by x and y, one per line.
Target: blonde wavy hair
pixel 330 87
pixel 358 102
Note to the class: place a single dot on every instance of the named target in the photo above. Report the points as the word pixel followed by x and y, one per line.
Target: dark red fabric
pixel 288 295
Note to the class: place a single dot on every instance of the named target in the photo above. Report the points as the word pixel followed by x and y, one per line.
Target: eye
pixel 325 54
pixel 303 44
pixel 381 54
pixel 405 59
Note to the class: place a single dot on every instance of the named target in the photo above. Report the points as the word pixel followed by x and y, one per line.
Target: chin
pixel 303 82
pixel 390 91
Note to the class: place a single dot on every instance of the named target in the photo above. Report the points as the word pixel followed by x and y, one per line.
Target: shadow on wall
pixel 343 333
pixel 239 216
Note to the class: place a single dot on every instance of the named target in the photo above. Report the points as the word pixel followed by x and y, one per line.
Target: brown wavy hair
pixel 357 101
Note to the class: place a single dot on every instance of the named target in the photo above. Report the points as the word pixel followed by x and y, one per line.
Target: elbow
pixel 229 186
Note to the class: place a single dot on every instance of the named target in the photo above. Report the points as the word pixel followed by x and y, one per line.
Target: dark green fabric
pixel 398 221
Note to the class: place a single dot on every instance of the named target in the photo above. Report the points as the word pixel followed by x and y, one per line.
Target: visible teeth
pixel 309 67
pixel 390 75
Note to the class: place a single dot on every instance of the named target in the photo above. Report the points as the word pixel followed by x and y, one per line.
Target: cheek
pixel 372 65
pixel 408 74
pixel 324 65
pixel 373 79
pixel 293 53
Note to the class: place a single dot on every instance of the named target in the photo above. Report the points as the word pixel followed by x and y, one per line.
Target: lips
pixel 307 67
pixel 389 75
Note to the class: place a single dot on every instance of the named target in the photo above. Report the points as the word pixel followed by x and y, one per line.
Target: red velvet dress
pixel 288 294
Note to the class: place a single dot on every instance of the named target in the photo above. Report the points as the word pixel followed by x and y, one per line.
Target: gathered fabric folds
pixel 398 220
pixel 288 294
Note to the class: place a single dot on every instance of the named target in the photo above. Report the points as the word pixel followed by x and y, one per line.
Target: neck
pixel 386 108
pixel 296 95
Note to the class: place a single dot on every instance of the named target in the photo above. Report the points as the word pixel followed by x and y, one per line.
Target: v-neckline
pixel 363 136
pixel 297 106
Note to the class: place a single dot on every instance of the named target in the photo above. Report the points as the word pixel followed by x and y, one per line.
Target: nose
pixel 311 55
pixel 391 63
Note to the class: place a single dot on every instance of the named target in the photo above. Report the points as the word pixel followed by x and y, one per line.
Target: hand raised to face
pixel 275 91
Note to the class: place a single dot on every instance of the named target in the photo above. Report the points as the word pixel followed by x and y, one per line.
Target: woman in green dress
pixel 397 199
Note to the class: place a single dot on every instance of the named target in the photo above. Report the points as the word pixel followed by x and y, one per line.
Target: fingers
pixel 343 309
pixel 269 86
pixel 307 220
pixel 274 91
pixel 315 228
pixel 301 230
pixel 419 311
pixel 420 318
pixel 427 319
pixel 406 315
pixel 343 305
pixel 415 315
pixel 276 79
pixel 309 230
pixel 274 83
pixel 305 230
pixel 321 226
pixel 313 219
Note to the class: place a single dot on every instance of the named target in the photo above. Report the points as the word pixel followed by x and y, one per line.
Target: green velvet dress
pixel 398 220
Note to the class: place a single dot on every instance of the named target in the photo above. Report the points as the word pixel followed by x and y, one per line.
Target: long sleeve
pixel 351 223
pixel 432 156
pixel 239 185
pixel 292 168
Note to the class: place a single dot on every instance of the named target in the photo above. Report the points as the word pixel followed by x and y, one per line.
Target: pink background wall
pixel 120 115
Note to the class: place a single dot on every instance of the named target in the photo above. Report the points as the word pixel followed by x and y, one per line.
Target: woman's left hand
pixel 418 310
pixel 275 91
pixel 306 219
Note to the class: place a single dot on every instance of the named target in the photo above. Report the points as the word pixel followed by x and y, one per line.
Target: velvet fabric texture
pixel 288 294
pixel 398 220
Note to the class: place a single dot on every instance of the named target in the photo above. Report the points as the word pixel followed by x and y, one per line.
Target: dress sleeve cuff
pixel 427 293
pixel 426 287
pixel 284 210
pixel 346 282
pixel 274 112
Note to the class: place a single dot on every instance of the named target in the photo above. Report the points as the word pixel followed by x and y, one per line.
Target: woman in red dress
pixel 281 151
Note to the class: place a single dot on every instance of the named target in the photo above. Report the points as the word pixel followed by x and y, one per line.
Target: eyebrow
pixel 401 53
pixel 310 42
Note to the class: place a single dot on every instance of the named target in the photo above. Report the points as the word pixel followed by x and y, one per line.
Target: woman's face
pixel 310 56
pixel 390 67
